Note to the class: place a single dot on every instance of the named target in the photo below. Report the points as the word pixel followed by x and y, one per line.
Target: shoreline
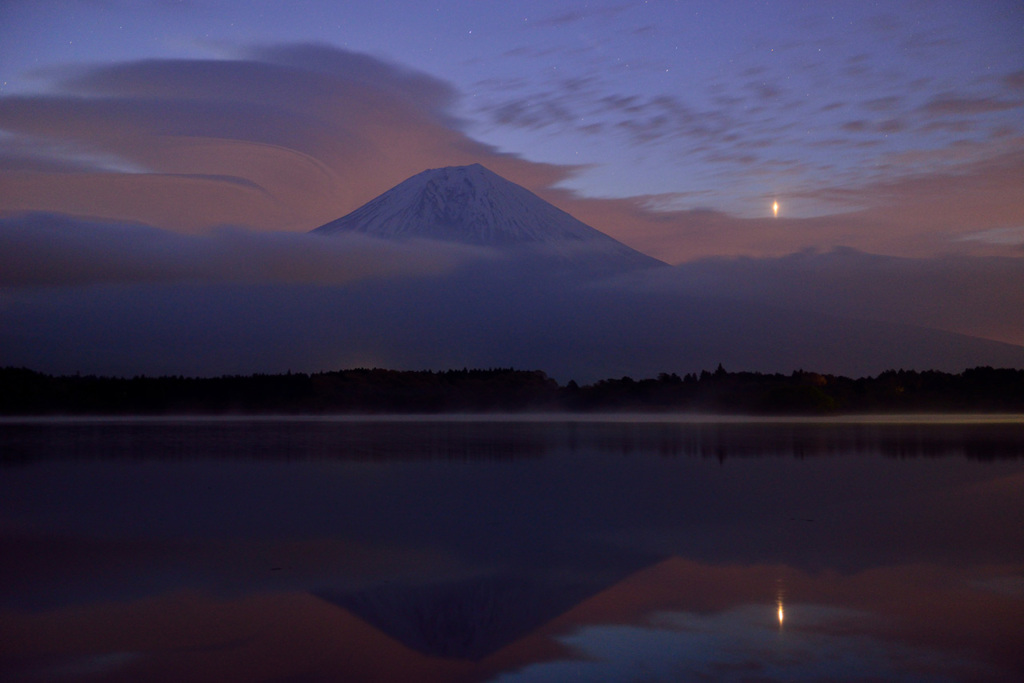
pixel 534 417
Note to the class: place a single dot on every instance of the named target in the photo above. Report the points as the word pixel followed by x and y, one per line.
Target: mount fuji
pixel 475 206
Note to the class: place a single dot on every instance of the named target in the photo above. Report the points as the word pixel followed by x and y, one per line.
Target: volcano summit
pixel 473 205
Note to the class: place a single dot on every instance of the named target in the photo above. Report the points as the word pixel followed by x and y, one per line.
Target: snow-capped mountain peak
pixel 473 205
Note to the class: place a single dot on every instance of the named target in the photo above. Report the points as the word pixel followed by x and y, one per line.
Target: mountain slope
pixel 472 205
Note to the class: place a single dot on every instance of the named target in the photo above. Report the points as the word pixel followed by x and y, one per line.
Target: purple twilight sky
pixel 891 134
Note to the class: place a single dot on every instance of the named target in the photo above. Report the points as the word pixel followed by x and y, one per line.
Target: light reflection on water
pixel 510 550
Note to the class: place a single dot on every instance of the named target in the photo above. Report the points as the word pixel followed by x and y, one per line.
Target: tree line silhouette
pixel 369 391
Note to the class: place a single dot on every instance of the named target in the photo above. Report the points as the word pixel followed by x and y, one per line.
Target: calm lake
pixel 544 549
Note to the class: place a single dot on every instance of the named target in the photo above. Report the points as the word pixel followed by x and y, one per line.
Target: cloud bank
pixel 120 299
pixel 45 250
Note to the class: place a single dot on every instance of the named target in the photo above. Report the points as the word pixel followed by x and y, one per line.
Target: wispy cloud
pixel 279 138
pixel 948 104
pixel 576 16
pixel 1014 80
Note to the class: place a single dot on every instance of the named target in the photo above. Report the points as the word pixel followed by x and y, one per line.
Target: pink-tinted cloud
pixel 920 216
pixel 1014 80
pixel 288 138
pixel 952 104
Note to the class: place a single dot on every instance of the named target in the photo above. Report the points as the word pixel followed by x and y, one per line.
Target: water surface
pixel 513 550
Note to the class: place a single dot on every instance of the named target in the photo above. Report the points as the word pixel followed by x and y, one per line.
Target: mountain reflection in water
pixel 479 549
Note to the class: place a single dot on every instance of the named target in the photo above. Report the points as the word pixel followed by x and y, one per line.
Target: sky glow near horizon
pixel 891 136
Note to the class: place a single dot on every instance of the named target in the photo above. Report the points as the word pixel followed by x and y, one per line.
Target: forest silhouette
pixel 380 391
